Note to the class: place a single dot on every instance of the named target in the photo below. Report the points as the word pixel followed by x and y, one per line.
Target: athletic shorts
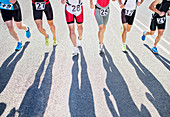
pixel 70 17
pixel 128 16
pixel 101 19
pixel 7 15
pixel 38 14
pixel 155 22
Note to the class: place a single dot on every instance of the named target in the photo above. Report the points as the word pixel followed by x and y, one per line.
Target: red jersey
pixel 103 3
pixel 47 1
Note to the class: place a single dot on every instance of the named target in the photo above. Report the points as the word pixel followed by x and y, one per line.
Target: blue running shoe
pixel 154 50
pixel 19 45
pixel 28 33
pixel 143 36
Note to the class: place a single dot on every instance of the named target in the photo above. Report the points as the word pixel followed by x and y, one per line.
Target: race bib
pixel 40 5
pixel 129 12
pixel 75 8
pixel 6 6
pixel 161 20
pixel 104 12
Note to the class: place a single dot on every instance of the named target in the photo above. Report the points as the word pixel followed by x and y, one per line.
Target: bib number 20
pixel 40 5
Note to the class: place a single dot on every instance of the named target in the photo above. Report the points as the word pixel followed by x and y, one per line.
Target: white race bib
pixel 74 9
pixel 129 12
pixel 6 6
pixel 104 12
pixel 161 20
pixel 40 5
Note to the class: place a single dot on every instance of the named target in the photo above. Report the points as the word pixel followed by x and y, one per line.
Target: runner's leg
pixel 52 27
pixel 40 27
pixel 160 33
pixel 72 34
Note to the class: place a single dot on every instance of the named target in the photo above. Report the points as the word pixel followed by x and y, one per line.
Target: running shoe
pixel 19 45
pixel 143 36
pixel 124 48
pixel 75 51
pixel 154 50
pixel 54 42
pixel 47 41
pixel 101 49
pixel 121 31
pixel 28 33
pixel 79 42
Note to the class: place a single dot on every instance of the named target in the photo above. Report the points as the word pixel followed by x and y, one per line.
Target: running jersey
pixel 74 2
pixel 47 1
pixel 5 4
pixel 103 3
pixel 130 4
pixel 164 6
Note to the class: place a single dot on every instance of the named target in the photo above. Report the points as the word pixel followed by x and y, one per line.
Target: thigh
pixel 69 16
pixel 123 16
pixel 17 15
pixel 6 15
pixel 98 17
pixel 153 24
pixel 49 12
pixel 161 26
pixel 131 18
pixel 38 14
pixel 80 18
pixel 105 19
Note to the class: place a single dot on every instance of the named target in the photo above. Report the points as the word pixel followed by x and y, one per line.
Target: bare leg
pixel 102 29
pixel 52 27
pixel 21 26
pixel 72 34
pixel 40 27
pixel 149 33
pixel 80 30
pixel 10 26
pixel 160 33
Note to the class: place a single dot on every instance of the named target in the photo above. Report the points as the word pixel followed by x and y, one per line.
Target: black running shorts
pixel 38 14
pixel 155 23
pixel 7 15
pixel 128 16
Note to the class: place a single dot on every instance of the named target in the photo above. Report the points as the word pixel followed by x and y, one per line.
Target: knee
pixel 128 30
pixel 125 30
pixel 72 31
pixel 102 29
pixel 51 24
pixel 80 27
pixel 19 27
pixel 10 28
pixel 40 28
pixel 151 33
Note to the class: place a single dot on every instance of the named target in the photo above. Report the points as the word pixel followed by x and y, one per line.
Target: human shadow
pixel 164 61
pixel 2 108
pixel 81 101
pixel 119 89
pixel 7 68
pixel 36 98
pixel 158 97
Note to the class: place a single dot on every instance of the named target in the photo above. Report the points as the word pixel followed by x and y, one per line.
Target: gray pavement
pixel 41 81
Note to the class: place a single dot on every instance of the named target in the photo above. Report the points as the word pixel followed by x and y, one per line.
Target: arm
pixel 121 5
pixel 139 3
pixel 12 1
pixel 63 1
pixel 91 4
pixel 153 8
pixel 168 13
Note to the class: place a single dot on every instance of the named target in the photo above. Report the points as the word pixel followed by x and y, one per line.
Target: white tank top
pixel 130 4
pixel 74 2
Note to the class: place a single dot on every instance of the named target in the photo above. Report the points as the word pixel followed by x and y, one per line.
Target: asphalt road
pixel 47 81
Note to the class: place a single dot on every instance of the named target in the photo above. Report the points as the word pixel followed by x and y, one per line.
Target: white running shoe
pixel 75 51
pixel 79 42
pixel 101 49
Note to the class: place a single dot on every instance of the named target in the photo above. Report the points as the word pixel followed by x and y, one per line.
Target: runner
pixel 127 15
pixel 74 10
pixel 160 7
pixel 102 12
pixel 38 7
pixel 11 9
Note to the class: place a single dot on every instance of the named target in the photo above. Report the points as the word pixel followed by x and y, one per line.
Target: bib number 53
pixel 5 6
pixel 40 5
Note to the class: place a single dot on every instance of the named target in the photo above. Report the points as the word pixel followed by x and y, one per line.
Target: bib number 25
pixel 104 12
pixel 40 5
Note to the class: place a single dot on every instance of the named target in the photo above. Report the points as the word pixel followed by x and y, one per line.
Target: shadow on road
pixel 36 98
pixel 7 68
pixel 119 89
pixel 81 101
pixel 164 61
pixel 2 108
pixel 158 97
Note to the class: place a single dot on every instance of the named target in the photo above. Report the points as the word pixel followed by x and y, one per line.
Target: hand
pixel 12 1
pixel 63 1
pixel 92 6
pixel 122 6
pixel 138 3
pixel 168 13
pixel 162 13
